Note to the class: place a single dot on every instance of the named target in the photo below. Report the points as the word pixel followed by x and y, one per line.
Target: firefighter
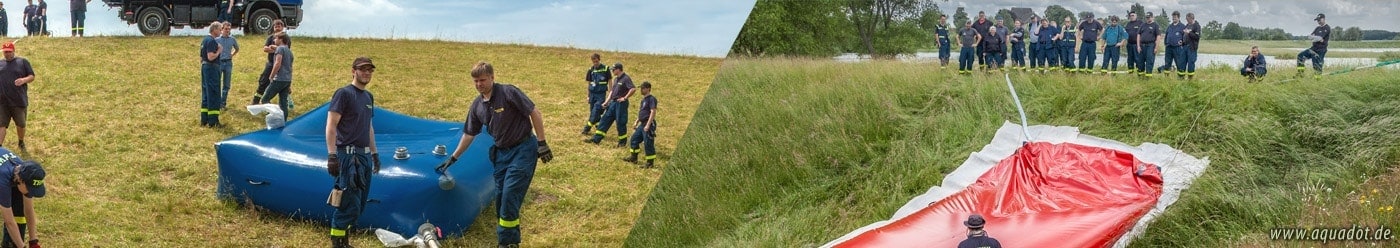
pixel 1068 37
pixel 17 199
pixel 976 236
pixel 1147 46
pixel 616 105
pixel 1318 52
pixel 1089 31
pixel 209 51
pixel 1175 40
pixel 353 154
pixel 940 33
pixel 1132 29
pixel 1114 38
pixel 510 116
pixel 1018 47
pixel 1033 47
pixel 597 77
pixel 968 38
pixel 981 26
pixel 1047 45
pixel 1193 43
pixel 644 133
pixel 1254 66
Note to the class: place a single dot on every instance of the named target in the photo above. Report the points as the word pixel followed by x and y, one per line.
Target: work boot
pixel 21 147
pixel 622 142
pixel 649 164
pixel 631 158
pixel 509 246
pixel 340 242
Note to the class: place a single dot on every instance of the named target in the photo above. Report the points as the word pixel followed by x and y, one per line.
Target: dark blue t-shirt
pixel 979 241
pixel 506 116
pixel 356 108
pixel 648 105
pixel 10 70
pixel 207 46
pixel 8 161
pixel 622 86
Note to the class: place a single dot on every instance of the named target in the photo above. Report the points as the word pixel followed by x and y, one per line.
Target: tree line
pixel 885 28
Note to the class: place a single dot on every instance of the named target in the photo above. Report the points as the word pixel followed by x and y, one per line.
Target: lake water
pixel 1202 60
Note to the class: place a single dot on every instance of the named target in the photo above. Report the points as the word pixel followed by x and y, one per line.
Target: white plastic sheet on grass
pixel 1178 171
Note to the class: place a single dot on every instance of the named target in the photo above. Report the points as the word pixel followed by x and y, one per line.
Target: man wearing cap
pixel 644 133
pixel 209 51
pixel 1132 29
pixel 1089 31
pixel 1320 36
pixel 509 116
pixel 1193 43
pixel 976 237
pixel 351 148
pixel 26 181
pixel 940 35
pixel 1113 38
pixel 616 105
pixel 597 78
pixel 1147 45
pixel 15 76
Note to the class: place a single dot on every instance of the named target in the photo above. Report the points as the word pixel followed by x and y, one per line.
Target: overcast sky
pixel 691 27
pixel 1293 16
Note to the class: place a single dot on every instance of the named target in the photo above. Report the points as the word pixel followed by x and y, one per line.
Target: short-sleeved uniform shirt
pixel 621 86
pixel 273 55
pixel 506 116
pixel 1091 31
pixel 356 108
pixel 648 106
pixel 285 73
pixel 982 26
pixel 208 45
pixel 1133 28
pixel 229 44
pixel 1324 31
pixel 8 162
pixel 967 36
pixel 77 5
pixel 10 70
pixel 1149 32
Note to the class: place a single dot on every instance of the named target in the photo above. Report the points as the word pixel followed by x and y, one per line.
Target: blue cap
pixel 32 175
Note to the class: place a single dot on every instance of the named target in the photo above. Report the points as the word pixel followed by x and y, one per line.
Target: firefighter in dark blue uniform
pixel 1018 46
pixel 1193 43
pixel 1175 42
pixel 1089 31
pixel 23 181
pixel 1320 36
pixel 1147 46
pixel 1068 35
pixel 968 38
pixel 981 25
pixel 644 134
pixel 1132 29
pixel 353 156
pixel 616 105
pixel 506 113
pixel 976 236
pixel 1047 54
pixel 597 78
pixel 940 33
pixel 1255 66
pixel 210 103
pixel 1033 47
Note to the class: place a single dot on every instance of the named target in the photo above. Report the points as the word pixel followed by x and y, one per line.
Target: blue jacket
pixel 1175 36
pixel 1114 34
pixel 1047 33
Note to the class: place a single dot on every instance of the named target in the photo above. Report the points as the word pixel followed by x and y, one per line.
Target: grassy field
pixel 114 121
pixel 795 153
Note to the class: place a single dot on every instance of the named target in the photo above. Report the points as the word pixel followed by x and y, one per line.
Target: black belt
pixel 225 60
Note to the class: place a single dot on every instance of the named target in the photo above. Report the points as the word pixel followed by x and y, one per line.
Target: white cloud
pixel 352 9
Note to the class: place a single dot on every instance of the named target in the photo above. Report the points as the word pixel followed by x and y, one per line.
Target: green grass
pixel 114 121
pixel 1291 48
pixel 795 153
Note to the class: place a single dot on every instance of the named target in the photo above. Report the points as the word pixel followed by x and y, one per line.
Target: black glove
pixel 442 168
pixel 544 153
pixel 376 162
pixel 333 165
pixel 34 243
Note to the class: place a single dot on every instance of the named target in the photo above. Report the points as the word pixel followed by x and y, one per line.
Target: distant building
pixel 1022 14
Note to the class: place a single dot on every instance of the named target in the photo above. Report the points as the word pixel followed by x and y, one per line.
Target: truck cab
pixel 157 17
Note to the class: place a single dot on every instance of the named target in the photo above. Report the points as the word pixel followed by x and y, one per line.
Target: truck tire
pixel 153 21
pixel 260 22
